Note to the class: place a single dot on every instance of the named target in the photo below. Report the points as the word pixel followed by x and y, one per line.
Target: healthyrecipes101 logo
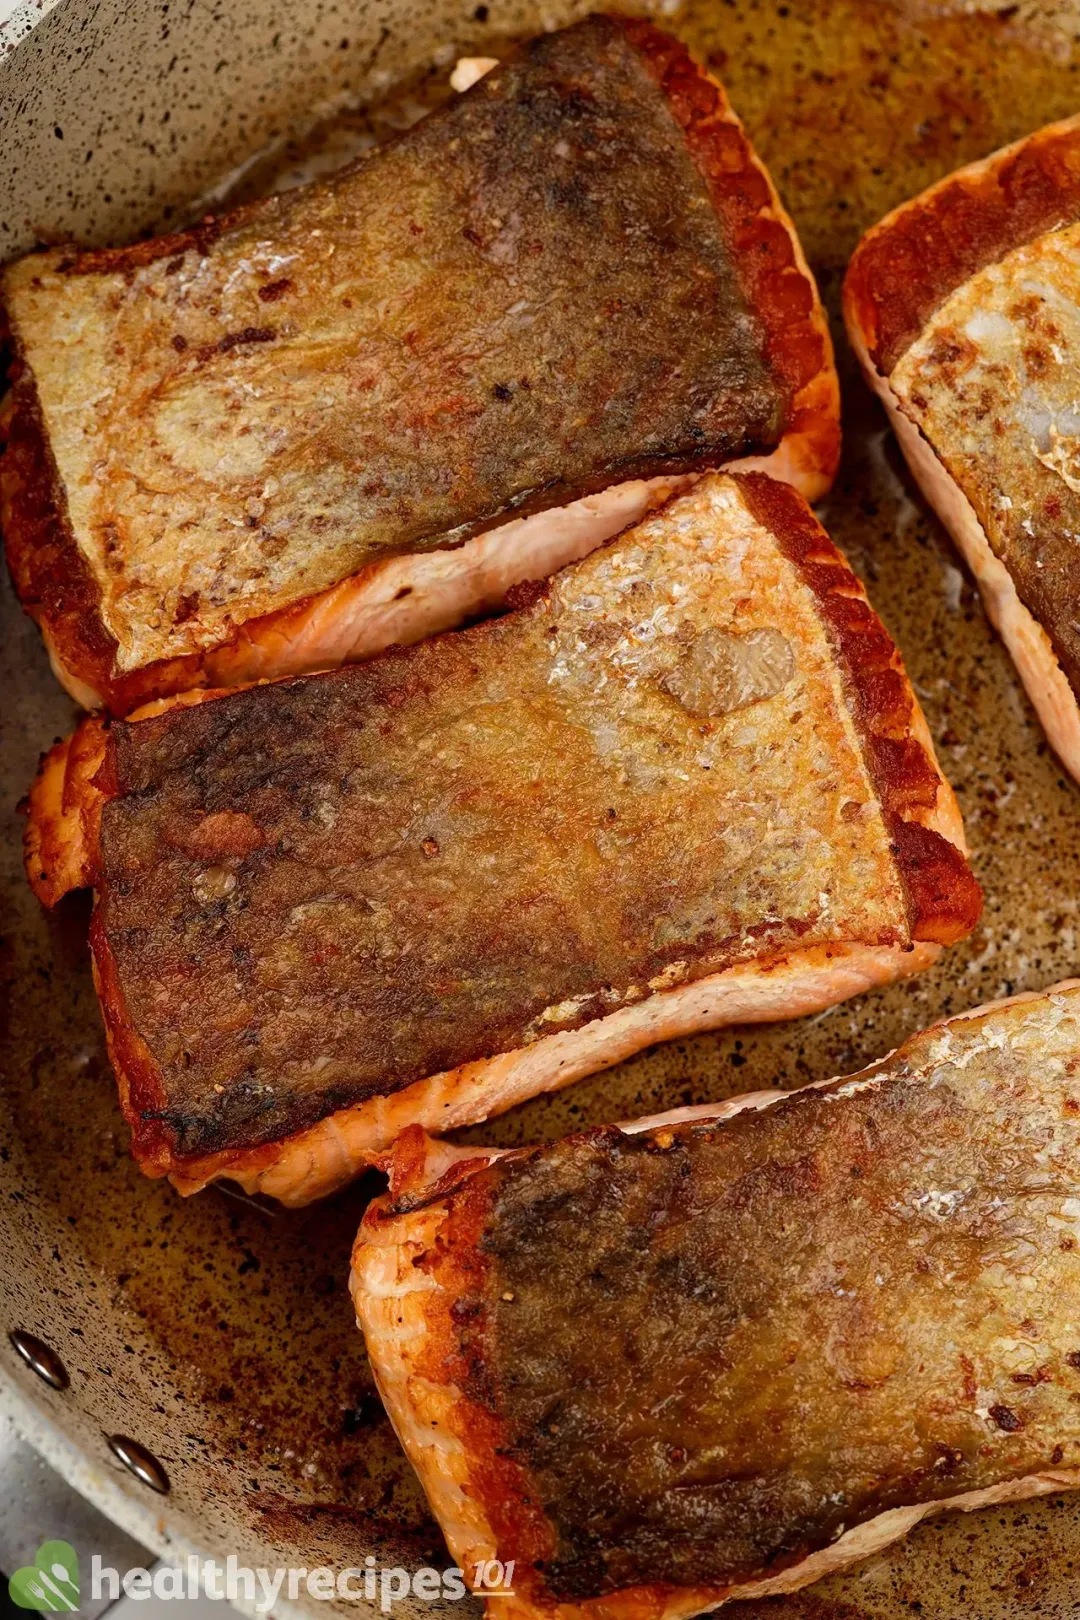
pixel 51 1583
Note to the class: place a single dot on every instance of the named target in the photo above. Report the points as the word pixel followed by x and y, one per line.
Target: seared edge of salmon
pixel 480 1495
pixel 403 599
pixel 777 281
pixel 315 1162
pixel 901 272
pixel 907 264
pixel 1029 646
pixel 393 603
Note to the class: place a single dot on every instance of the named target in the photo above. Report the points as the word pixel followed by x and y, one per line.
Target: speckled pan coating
pixel 220 1334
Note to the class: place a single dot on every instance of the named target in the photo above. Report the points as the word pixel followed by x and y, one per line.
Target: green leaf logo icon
pixel 51 1583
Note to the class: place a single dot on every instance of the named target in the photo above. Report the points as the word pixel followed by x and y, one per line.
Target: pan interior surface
pixel 218 1332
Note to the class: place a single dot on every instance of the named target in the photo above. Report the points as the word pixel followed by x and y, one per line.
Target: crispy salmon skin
pixel 356 413
pixel 658 1367
pixel 683 784
pixel 962 305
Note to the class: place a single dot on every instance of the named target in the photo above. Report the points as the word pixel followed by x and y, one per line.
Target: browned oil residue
pixel 219 1333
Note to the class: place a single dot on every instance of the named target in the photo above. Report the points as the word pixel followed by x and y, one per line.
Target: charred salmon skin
pixel 964 307
pixel 646 1370
pixel 685 784
pixel 361 411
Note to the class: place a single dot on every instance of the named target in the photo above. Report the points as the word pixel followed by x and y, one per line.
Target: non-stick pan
pixel 214 1337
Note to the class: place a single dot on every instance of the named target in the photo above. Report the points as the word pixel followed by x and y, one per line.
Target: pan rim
pixel 145 1522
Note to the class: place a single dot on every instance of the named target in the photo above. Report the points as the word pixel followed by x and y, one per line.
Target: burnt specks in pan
pixel 284 1336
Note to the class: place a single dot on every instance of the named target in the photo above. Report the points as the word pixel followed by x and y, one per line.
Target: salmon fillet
pixel 359 412
pixel 684 784
pixel 963 308
pixel 652 1368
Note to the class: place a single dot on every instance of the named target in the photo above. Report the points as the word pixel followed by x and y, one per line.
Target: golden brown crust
pixel 777 285
pixel 65 595
pixel 497 1508
pixel 318 1161
pixel 1032 650
pixel 973 356
pixel 909 263
pixel 273 859
pixel 752 1419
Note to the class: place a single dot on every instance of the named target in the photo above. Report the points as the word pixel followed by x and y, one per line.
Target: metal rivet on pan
pixel 40 1358
pixel 142 1463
